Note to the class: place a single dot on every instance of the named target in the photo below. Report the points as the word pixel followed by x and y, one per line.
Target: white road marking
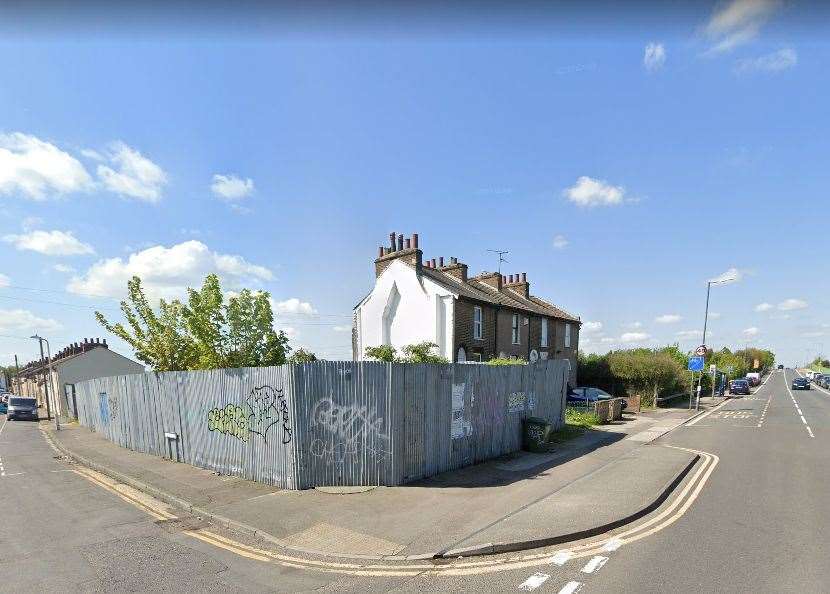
pixel 797 408
pixel 561 557
pixel 612 545
pixel 595 564
pixel 534 581
pixel 706 414
pixel 4 425
pixel 570 588
pixel 13 474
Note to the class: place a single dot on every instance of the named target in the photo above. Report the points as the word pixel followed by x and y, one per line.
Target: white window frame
pixel 478 324
pixel 514 329
pixel 567 335
pixel 543 342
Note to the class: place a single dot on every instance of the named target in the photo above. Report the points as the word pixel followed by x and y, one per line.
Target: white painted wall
pixel 402 310
pixel 98 362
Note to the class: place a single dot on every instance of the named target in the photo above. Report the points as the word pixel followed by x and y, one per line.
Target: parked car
pixel 22 408
pixel 754 379
pixel 3 407
pixel 583 396
pixel 801 383
pixel 817 377
pixel 780 367
pixel 739 386
pixel 825 380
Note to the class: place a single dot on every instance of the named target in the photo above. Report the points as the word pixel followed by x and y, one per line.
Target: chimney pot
pixel 407 244
pixel 454 260
pixel 524 277
pixel 511 279
pixel 415 240
pixel 432 263
pixel 380 251
pixel 400 243
pixel 392 242
pixel 441 261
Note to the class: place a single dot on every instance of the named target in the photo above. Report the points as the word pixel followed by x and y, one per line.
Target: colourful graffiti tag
pixel 231 420
pixel 264 408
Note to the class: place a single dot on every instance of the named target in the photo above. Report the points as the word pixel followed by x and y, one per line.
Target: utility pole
pixel 49 381
pixel 45 384
pixel 17 376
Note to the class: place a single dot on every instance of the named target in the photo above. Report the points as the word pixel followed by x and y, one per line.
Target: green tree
pixel 384 352
pixel 159 339
pixel 207 333
pixel 302 356
pixel 422 353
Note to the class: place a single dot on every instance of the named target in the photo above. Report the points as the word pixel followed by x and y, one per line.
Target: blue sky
pixel 623 160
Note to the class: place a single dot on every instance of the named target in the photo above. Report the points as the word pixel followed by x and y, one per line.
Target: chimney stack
pixel 399 247
pixel 441 261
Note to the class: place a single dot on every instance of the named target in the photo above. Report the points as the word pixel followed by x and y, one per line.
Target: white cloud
pixel 690 334
pixel 342 328
pixel 591 327
pixel 634 325
pixel 5 281
pixel 29 223
pixel 24 322
pixel 231 187
pixel 634 337
pixel 654 56
pixel 166 272
pixel 51 243
pixel 293 306
pixel 608 339
pixel 560 242
pixel 731 275
pixel 63 268
pixel 291 332
pixel 813 334
pixel 590 192
pixel 774 62
pixel 791 304
pixel 738 22
pixel 751 331
pixel 713 315
pixel 34 168
pixel 668 319
pixel 136 175
pixel 764 306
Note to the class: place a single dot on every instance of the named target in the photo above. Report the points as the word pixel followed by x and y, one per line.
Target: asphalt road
pixel 760 524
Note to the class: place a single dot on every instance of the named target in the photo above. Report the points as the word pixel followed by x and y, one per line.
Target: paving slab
pixel 592 478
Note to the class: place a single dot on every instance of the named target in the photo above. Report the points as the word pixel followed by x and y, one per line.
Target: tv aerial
pixel 501 254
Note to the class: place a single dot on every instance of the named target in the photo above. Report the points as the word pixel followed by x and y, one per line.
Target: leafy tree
pixel 422 353
pixel 207 333
pixel 644 370
pixel 158 339
pixel 384 352
pixel 302 356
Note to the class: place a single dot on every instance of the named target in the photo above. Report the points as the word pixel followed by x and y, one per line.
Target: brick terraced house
pixel 469 318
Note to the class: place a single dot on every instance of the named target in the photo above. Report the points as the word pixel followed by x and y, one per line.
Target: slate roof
pixel 478 290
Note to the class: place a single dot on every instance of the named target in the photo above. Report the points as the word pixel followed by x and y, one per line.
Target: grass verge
pixel 576 422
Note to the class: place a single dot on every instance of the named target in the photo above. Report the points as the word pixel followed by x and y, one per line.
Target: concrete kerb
pixel 475 550
pixel 512 547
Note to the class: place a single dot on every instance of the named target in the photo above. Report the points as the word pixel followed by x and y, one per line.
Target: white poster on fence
pixel 457 420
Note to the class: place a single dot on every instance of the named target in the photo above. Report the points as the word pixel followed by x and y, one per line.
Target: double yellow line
pixel 673 512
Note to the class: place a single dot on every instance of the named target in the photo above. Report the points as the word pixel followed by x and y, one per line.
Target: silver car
pixel 22 408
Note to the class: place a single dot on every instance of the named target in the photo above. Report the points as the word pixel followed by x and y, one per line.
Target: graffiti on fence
pixel 348 429
pixel 516 402
pixel 264 408
pixel 113 402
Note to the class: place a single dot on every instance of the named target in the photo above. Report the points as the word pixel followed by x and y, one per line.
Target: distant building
pixel 469 318
pixel 78 362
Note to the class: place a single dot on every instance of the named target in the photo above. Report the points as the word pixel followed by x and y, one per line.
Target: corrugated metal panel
pixel 327 423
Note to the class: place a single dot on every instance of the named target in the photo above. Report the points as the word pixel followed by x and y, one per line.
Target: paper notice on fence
pixel 457 422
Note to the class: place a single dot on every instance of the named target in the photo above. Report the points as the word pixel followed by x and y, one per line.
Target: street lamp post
pixel 46 384
pixel 705 325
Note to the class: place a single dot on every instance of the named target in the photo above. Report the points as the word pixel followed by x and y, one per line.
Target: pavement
pixel 516 502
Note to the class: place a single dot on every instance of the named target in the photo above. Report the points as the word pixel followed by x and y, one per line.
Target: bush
pixel 506 361
pixel 580 418
pixel 413 353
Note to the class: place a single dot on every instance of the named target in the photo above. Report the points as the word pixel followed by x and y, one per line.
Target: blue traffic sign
pixel 696 363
